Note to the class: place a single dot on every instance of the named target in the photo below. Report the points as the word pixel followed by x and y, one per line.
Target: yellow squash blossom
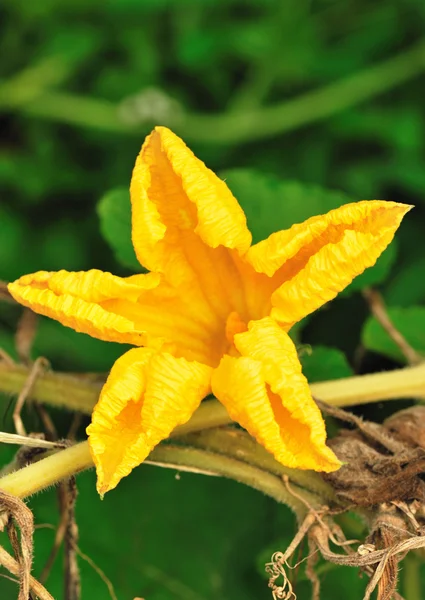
pixel 212 314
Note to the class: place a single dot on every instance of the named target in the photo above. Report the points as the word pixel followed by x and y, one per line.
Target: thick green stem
pixel 362 389
pixel 27 85
pixel 310 107
pixel 57 389
pixel 50 470
pixel 241 446
pixel 229 127
pixel 81 394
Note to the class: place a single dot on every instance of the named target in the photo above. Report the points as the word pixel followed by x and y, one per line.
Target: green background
pixel 301 105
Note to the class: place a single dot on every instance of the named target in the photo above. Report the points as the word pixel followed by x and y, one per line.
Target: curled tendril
pixel 276 569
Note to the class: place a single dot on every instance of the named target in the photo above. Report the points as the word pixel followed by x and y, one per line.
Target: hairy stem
pixel 81 394
pixel 10 564
pixel 241 446
pixel 54 468
pixel 48 471
pixel 362 389
pixel 57 389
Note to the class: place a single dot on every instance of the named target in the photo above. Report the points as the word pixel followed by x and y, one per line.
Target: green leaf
pixel 271 204
pixel 408 286
pixel 114 211
pixel 410 322
pixel 321 364
pixel 63 246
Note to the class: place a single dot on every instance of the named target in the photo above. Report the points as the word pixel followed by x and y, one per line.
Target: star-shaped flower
pixel 212 314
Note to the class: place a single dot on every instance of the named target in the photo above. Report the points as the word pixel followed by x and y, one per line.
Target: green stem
pixel 363 389
pixel 50 470
pixel 27 85
pixel 312 106
pixel 241 446
pixel 230 128
pixel 81 394
pixel 57 389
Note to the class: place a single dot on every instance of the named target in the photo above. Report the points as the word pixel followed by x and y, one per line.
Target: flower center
pixel 234 325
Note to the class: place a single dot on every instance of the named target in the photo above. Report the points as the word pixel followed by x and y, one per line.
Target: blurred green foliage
pixel 286 100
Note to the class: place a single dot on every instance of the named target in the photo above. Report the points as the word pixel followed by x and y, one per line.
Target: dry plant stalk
pixel 67 529
pixel 11 565
pixel 379 311
pixel 72 573
pixel 25 334
pixel 15 513
pixel 40 364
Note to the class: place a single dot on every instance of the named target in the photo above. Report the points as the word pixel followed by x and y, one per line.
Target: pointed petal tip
pixel 173 193
pixel 331 462
pixel 404 207
pixel 395 212
pixel 162 129
pixel 398 207
pixel 316 456
pixel 103 489
pixel 317 259
pixel 16 287
pixel 12 289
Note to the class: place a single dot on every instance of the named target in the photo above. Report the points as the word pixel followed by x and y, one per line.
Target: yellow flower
pixel 213 313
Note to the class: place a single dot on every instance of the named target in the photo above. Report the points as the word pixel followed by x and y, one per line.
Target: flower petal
pixel 265 391
pixel 313 261
pixel 139 310
pixel 146 396
pixel 173 193
pixel 74 299
pixel 186 222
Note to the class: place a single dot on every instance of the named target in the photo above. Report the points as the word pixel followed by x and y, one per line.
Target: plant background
pixel 81 83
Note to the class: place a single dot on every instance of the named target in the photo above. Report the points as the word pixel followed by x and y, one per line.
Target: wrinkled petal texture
pixel 139 310
pixel 75 299
pixel 265 391
pixel 212 314
pixel 146 395
pixel 187 225
pixel 173 190
pixel 312 262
